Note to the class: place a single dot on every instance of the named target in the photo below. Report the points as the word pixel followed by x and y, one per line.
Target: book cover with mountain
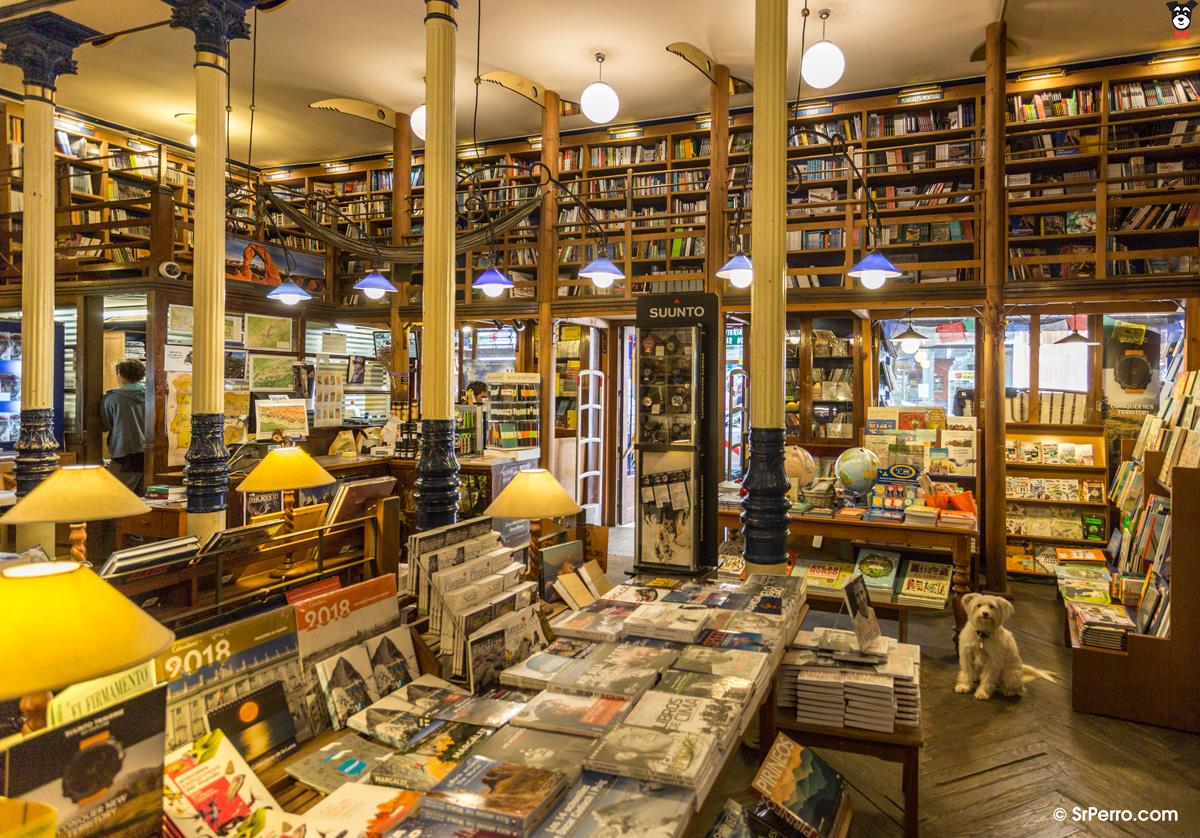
pixel 801 787
pixel 485 793
pixel 604 806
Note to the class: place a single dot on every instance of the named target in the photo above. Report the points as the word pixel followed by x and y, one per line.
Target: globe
pixel 857 469
pixel 799 465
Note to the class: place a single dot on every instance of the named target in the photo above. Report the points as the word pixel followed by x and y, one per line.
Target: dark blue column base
pixel 37 449
pixel 207 472
pixel 436 496
pixel 765 506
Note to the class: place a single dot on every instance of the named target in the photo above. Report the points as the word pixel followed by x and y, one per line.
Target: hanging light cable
pixel 599 101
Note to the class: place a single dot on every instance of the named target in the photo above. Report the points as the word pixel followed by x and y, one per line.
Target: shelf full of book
pixel 1054 493
pixel 823 386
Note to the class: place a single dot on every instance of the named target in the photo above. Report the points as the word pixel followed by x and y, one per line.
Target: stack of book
pixel 151 558
pixel 924 583
pixel 953 519
pixel 919 515
pixel 870 701
pixel 1102 626
pixel 821 697
pixel 164 491
pixel 668 621
pixel 487 794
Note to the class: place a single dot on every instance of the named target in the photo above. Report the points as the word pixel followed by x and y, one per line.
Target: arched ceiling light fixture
pixel 599 101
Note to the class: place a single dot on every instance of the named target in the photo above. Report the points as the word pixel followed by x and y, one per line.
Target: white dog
pixel 987 651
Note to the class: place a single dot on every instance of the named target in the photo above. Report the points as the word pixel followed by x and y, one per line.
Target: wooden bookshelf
pixel 825 399
pixel 1155 681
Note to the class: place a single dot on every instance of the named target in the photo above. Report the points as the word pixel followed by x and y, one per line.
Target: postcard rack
pixel 233 578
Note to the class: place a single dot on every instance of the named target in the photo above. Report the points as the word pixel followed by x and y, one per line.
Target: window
pixel 938 371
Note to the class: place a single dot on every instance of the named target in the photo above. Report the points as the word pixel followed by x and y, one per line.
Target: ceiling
pixel 375 50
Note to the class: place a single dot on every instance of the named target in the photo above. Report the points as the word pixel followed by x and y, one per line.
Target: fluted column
pixel 765 507
pixel 215 23
pixel 436 494
pixel 42 46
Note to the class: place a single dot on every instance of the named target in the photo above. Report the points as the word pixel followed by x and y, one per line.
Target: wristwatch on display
pixel 91 771
pixel 1132 371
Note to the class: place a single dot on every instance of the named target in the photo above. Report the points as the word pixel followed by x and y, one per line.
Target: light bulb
pixel 872 280
pixel 192 140
pixel 822 65
pixel 492 291
pixel 741 278
pixel 909 346
pixel 599 102
pixel 603 280
pixel 374 293
pixel 416 121
pixel 289 299
pixel 738 271
pixel 466 327
pixel 921 356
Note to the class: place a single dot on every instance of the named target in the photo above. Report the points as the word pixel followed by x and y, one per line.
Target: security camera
pixel 170 270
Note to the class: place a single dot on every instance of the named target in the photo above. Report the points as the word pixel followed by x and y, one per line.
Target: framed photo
pixel 235 364
pixel 266 332
pixel 233 328
pixel 270 372
pixel 287 416
pixel 180 319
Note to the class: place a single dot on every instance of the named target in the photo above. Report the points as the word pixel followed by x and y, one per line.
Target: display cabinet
pixel 513 411
pixel 677 431
pixel 823 382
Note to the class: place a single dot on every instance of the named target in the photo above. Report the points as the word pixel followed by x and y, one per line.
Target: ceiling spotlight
pixel 823 63
pixel 598 100
pixel 416 121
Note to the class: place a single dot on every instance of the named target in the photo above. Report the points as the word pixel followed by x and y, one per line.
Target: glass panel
pixel 832 349
pixel 666 384
pixel 938 371
pixel 1137 351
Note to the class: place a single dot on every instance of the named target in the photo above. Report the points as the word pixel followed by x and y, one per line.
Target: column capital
pixel 214 22
pixel 42 45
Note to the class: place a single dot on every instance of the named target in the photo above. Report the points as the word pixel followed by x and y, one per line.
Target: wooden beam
pixel 1191 334
pixel 718 186
pixel 547 274
pixel 991 370
pixel 401 274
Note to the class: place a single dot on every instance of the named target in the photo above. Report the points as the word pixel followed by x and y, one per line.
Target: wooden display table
pixel 902 746
pixel 879 533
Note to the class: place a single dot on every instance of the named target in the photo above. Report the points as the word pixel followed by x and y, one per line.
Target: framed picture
pixel 266 332
pixel 235 364
pixel 287 416
pixel 270 372
pixel 180 319
pixel 233 328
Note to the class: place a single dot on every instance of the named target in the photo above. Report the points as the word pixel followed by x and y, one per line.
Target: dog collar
pixel 983 634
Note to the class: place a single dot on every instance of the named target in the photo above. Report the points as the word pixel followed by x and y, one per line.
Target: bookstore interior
pixel 687 425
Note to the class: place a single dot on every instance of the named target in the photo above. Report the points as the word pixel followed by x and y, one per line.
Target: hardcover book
pixel 429 759
pixel 487 793
pixel 735 662
pixel 801 788
pixel 481 712
pixel 584 677
pixel 685 713
pixel 726 688
pixel 878 567
pixel 604 806
pixel 361 810
pixel 581 715
pixel 344 760
pixel 599 621
pixel 678 759
pixel 259 724
pixel 347 684
pixel 538 749
pixel 209 784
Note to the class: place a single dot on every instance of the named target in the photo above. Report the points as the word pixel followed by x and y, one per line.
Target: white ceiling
pixel 375 50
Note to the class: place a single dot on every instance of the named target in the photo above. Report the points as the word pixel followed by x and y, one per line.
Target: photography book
pixel 427 760
pixel 723 687
pixel 581 715
pixel 802 788
pixel 604 806
pixel 485 793
pixel 678 759
pixel 538 749
pixel 735 662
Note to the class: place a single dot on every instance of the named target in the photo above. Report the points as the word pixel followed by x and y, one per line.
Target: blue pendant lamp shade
pixel 602 272
pixel 492 282
pixel 375 285
pixel 738 271
pixel 288 293
pixel 874 270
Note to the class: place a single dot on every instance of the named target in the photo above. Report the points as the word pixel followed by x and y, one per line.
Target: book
pixel 604 806
pixel 678 759
pixel 559 752
pixel 586 677
pixel 393 659
pixel 210 788
pixel 635 651
pixel 556 560
pixel 366 811
pixel 347 684
pixel 103 773
pixel 724 687
pixel 425 762
pixel 394 728
pixel 479 711
pixel 259 724
pixel 599 621
pixel 672 712
pixel 925 582
pixel 580 715
pixel 723 662
pixel 878 567
pixel 346 759
pixel 801 788
pixel 486 793
pixel 571 588
pixel 595 580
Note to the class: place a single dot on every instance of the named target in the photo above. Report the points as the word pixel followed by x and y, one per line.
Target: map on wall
pixel 179 416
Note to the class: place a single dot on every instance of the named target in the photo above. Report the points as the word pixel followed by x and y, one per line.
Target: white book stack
pixel 820 698
pixel 904 667
pixel 870 701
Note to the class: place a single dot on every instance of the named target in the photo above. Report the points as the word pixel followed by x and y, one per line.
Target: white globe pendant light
pixel 416 121
pixel 599 102
pixel 822 64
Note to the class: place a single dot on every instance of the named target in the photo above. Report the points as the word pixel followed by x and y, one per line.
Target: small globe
pixel 799 465
pixel 857 469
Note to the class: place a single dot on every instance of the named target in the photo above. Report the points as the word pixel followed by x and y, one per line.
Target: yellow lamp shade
pixel 533 493
pixel 60 624
pixel 285 468
pixel 75 495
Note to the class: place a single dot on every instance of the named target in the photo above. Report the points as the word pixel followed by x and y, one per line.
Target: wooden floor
pixel 1000 767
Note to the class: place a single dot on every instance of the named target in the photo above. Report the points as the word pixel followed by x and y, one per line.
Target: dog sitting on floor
pixel 988 658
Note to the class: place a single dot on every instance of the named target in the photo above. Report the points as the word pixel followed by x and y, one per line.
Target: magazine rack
pixel 230 579
pixel 1155 681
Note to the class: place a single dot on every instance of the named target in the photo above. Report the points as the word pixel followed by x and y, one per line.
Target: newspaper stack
pixel 821 698
pixel 870 701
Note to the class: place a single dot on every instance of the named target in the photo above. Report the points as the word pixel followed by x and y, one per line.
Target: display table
pixel 902 746
pixel 879 533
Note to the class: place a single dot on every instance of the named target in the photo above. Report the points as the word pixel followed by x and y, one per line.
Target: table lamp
pixel 286 469
pixel 60 624
pixel 75 495
pixel 533 493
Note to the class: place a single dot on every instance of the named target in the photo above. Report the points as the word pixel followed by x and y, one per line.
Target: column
pixel 765 506
pixel 437 468
pixel 41 45
pixel 214 23
pixel 995 268
pixel 547 275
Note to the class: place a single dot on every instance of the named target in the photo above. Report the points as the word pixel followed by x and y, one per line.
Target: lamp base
pixel 288 571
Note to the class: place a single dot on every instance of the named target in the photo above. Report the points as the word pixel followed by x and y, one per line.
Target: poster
pixel 179 416
pixel 179 319
pixel 233 328
pixel 287 416
pixel 237 414
pixel 177 358
pixel 235 364
pixel 209 670
pixel 328 623
pixel 1131 366
pixel 270 372
pixel 328 395
pixel 265 264
pixel 103 773
pixel 266 332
